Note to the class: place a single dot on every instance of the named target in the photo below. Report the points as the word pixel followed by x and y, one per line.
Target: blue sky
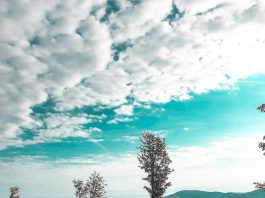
pixel 81 80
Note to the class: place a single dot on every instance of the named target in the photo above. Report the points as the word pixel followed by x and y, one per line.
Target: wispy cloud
pixel 118 120
pixel 126 138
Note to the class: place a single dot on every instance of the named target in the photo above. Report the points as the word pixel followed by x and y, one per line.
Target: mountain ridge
pixel 205 194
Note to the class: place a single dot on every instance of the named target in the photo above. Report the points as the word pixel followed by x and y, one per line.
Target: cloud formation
pixel 65 51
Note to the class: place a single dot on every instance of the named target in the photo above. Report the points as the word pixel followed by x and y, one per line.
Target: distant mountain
pixel 203 194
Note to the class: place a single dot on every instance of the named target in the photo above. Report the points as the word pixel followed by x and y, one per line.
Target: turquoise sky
pixel 198 121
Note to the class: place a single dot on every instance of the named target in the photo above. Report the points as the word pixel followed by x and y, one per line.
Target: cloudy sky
pixel 82 79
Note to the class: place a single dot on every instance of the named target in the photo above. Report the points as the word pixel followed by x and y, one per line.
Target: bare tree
pixel 14 192
pixel 93 188
pixel 154 160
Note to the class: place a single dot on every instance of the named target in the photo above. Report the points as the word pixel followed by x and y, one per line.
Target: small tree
pixel 260 186
pixel 81 189
pixel 97 186
pixel 14 192
pixel 154 160
pixel 262 147
pixel 93 188
pixel 261 108
pixel 262 144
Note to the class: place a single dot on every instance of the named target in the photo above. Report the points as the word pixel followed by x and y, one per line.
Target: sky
pixel 82 79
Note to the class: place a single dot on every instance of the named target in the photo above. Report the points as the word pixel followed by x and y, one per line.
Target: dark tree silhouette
pixel 93 188
pixel 154 160
pixel 262 147
pixel 14 192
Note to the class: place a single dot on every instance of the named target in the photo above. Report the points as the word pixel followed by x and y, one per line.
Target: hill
pixel 203 194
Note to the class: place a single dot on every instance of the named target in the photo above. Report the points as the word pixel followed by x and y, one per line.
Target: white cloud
pixel 41 54
pixel 63 126
pixel 117 120
pixel 57 49
pixel 136 21
pixel 94 129
pixel 100 88
pixel 225 165
pixel 124 110
pixel 60 126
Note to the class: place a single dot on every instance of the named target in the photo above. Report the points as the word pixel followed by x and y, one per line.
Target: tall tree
pixel 93 188
pixel 262 147
pixel 14 192
pixel 154 160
